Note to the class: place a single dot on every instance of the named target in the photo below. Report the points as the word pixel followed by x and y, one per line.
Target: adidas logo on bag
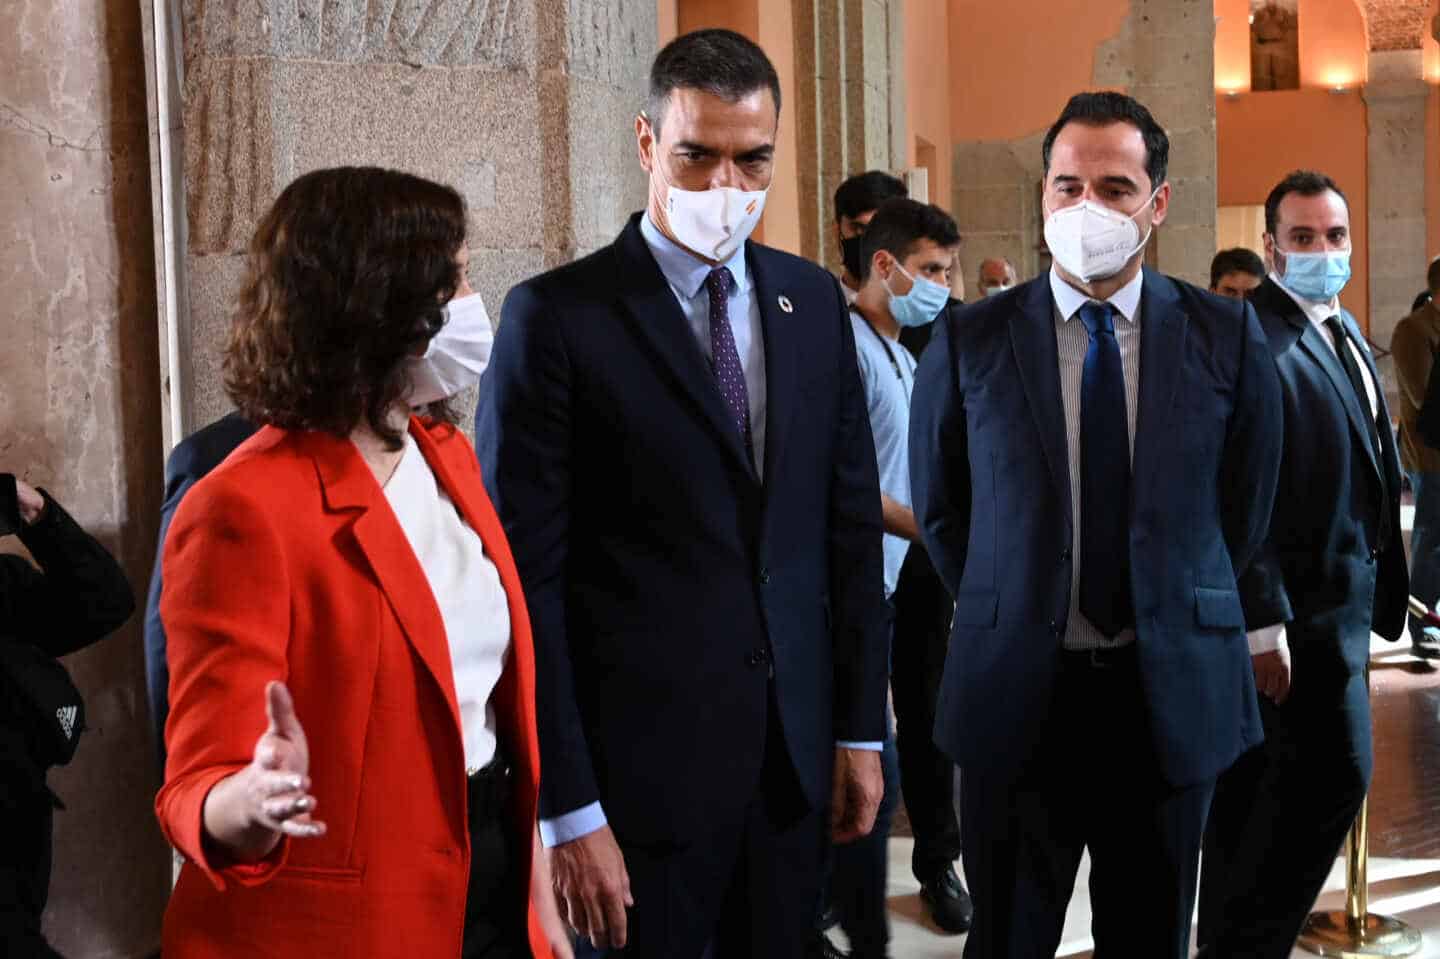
pixel 66 715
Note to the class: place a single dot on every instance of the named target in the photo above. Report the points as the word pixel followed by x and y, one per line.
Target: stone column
pixel 846 105
pixel 80 415
pixel 1396 102
pixel 1165 58
pixel 526 107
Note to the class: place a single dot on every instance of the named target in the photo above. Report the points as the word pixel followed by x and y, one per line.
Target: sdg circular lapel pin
pixel 786 305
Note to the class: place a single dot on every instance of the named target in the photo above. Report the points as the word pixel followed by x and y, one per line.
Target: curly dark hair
pixel 348 273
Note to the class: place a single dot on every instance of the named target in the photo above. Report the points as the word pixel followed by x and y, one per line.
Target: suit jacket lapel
pixel 349 485
pixel 1032 337
pixel 1162 353
pixel 657 319
pixel 782 356
pixel 1389 461
pixel 1271 297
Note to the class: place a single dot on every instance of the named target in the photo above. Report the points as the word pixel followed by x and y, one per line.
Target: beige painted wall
pixel 928 92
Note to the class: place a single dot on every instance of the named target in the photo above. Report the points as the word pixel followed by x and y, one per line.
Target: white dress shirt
pixel 1270 638
pixel 467 589
pixel 1073 342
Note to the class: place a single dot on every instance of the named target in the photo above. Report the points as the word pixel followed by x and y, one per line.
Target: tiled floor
pixel 1405 889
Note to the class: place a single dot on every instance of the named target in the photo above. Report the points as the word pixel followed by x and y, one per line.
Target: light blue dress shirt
pixel 686 276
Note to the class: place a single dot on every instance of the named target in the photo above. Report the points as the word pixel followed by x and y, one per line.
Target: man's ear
pixel 644 140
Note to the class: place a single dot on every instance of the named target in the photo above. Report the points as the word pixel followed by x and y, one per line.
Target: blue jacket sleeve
pixel 940 458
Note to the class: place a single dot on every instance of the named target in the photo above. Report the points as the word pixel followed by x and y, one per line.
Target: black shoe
pixel 1427 644
pixel 947 902
pixel 820 947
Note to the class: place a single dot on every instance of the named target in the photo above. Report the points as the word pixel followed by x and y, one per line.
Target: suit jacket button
pixel 765 577
pixel 1064 556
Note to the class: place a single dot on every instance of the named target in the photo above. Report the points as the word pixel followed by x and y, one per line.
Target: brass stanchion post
pixel 1356 932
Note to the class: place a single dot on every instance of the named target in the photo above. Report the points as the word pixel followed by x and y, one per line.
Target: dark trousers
pixel 1093 783
pixel 26 828
pixel 744 888
pixel 1286 811
pixel 1425 545
pixel 923 610
pixel 859 872
pixel 497 900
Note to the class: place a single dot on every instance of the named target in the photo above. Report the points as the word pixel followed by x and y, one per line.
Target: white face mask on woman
pixel 457 355
pixel 1091 242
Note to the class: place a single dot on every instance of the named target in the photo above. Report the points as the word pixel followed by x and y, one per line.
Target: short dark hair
pixel 899 224
pixel 1421 300
pixel 1303 182
pixel 348 273
pixel 865 192
pixel 719 62
pixel 1236 260
pixel 1432 276
pixel 1104 108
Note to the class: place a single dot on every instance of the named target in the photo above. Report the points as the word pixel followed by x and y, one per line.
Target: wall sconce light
pixel 1232 94
pixel 1339 88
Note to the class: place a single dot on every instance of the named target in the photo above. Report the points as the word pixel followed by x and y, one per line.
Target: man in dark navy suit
pixel 1093 461
pixel 1332 570
pixel 674 432
pixel 192 458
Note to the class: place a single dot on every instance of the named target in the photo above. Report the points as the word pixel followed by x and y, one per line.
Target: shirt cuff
pixel 572 825
pixel 1267 640
pixel 868 747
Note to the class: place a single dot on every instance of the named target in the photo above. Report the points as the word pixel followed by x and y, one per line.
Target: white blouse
pixel 466 587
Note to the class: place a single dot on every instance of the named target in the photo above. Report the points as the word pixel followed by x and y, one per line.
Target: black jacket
pixel 1333 565
pixel 81 596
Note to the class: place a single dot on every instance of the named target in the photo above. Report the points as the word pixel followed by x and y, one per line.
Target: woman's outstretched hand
pixel 247 813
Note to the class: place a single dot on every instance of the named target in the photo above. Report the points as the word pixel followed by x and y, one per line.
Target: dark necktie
pixel 1104 479
pixel 725 358
pixel 1341 336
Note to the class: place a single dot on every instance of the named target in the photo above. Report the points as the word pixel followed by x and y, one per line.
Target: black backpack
pixel 44 700
pixel 1427 424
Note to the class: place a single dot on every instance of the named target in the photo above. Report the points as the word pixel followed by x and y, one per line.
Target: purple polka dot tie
pixel 725 358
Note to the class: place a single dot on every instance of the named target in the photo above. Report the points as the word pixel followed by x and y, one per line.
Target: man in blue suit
pixel 1332 570
pixel 674 432
pixel 1093 460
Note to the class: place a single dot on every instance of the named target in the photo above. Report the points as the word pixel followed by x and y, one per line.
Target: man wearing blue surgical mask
pixel 1331 571
pixel 909 251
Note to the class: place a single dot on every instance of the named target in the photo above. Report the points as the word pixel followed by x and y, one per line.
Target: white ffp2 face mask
pixel 713 223
pixel 457 355
pixel 1094 242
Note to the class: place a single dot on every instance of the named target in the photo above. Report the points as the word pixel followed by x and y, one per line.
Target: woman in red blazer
pixel 352 759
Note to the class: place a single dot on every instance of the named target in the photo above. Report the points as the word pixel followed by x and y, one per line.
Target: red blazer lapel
pixel 459 476
pixel 349 484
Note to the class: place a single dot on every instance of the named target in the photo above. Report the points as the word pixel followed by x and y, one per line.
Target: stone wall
pixel 849 111
pixel 525 107
pixel 80 415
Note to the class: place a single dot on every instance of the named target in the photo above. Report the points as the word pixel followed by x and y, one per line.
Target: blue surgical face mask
pixel 997 290
pixel 1317 277
pixel 921 305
